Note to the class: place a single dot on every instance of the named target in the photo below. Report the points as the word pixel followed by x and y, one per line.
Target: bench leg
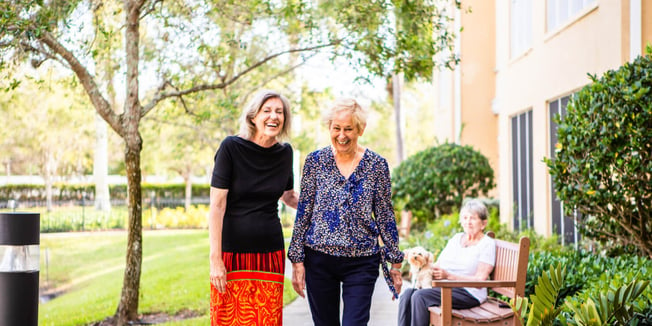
pixel 446 306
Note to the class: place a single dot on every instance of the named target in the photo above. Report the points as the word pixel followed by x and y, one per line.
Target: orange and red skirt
pixel 254 290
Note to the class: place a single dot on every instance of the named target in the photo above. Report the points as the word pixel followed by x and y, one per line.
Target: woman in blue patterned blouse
pixel 344 206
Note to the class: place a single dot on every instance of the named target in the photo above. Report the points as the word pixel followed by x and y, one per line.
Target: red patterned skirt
pixel 254 290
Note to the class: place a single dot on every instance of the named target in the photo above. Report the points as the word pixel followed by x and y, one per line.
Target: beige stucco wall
pixel 646 26
pixel 478 58
pixel 479 125
pixel 556 65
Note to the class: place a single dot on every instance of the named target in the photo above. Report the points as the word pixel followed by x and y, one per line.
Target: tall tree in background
pixel 182 49
pixel 39 134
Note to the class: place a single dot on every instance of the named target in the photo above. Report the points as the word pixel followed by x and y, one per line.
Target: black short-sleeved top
pixel 256 177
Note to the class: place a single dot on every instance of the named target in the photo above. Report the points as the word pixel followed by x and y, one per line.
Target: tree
pixel 184 49
pixel 602 166
pixel 38 135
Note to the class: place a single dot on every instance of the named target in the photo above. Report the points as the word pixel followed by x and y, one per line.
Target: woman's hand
pixel 299 279
pixel 439 273
pixel 218 274
pixel 397 278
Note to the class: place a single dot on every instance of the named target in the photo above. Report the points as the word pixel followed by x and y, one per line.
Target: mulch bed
pixel 152 319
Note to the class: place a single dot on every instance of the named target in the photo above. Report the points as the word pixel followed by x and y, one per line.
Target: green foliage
pixel 30 192
pixel 613 306
pixel 394 36
pixel 589 276
pixel 436 180
pixel 434 234
pixel 68 219
pixel 542 305
pixel 604 157
pixel 81 219
pixel 177 218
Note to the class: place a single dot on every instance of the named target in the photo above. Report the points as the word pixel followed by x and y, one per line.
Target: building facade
pixel 521 60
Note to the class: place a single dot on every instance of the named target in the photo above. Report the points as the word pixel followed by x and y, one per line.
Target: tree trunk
pixel 47 178
pixel 396 95
pixel 100 166
pixel 188 181
pixel 128 306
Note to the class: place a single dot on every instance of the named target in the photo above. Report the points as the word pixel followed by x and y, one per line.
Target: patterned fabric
pixel 344 217
pixel 386 275
pixel 254 290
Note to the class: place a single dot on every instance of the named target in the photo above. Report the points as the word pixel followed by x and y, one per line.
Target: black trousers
pixel 413 304
pixel 329 276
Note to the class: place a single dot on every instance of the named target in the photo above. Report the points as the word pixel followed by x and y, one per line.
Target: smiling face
pixel 269 119
pixel 344 132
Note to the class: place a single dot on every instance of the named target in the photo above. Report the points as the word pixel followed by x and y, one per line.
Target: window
pixel 521 26
pixel 560 11
pixel 562 225
pixel 522 177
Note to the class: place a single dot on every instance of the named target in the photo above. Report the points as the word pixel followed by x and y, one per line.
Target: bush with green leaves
pixel 588 277
pixel 612 305
pixel 603 161
pixel 434 181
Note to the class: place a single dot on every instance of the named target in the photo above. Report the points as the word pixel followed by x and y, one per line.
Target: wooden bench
pixel 508 278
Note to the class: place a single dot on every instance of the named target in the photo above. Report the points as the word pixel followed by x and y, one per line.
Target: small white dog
pixel 421 265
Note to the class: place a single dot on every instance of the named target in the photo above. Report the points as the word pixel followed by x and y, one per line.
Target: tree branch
pixel 99 102
pixel 162 95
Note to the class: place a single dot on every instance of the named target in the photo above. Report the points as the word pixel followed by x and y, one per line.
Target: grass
pixel 88 267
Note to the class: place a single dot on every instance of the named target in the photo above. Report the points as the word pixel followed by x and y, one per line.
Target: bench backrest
pixel 511 264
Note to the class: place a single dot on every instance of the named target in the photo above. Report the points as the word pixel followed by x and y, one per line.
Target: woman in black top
pixel 247 258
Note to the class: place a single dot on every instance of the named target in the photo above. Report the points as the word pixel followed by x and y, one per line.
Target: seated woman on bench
pixel 469 255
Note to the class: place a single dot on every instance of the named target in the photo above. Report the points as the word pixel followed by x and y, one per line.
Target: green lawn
pixel 89 268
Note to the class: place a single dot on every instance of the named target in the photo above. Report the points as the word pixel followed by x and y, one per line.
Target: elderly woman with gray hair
pixel 252 171
pixel 468 255
pixel 344 207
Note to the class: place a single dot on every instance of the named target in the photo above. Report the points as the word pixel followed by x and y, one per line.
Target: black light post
pixel 19 268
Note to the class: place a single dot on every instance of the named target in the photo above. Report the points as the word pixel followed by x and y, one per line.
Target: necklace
pixel 348 171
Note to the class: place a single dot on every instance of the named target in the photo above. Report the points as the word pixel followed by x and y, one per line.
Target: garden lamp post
pixel 19 268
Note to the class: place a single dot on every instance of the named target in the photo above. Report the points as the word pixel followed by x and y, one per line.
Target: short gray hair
pixel 358 114
pixel 475 206
pixel 248 129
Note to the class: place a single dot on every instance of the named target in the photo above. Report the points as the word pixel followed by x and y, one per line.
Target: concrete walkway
pixel 384 311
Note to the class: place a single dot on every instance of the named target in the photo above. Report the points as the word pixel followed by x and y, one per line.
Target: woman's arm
pixel 290 198
pixel 215 222
pixel 481 274
pixel 384 214
pixel 304 209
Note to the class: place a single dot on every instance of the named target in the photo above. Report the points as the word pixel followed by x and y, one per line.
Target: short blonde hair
pixel 248 128
pixel 358 114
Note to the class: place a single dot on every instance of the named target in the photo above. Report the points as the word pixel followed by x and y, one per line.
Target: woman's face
pixel 472 223
pixel 270 118
pixel 344 133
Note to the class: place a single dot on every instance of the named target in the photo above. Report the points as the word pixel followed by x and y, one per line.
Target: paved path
pixel 384 311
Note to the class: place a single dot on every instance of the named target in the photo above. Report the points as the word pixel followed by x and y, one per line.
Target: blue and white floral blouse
pixel 343 217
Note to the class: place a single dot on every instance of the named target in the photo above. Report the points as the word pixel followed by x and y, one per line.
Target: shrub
pixel 434 181
pixel 603 162
pixel 176 218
